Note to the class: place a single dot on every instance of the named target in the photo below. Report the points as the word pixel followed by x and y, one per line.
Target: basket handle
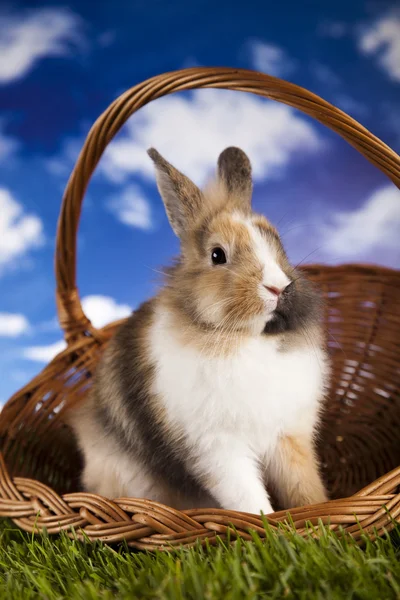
pixel 70 314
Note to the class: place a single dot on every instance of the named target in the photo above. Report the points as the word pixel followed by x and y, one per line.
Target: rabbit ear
pixel 234 170
pixel 182 198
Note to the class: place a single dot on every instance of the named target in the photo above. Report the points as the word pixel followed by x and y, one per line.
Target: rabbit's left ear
pixel 182 198
pixel 234 170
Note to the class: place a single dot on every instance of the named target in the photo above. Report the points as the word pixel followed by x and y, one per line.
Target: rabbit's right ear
pixel 182 198
pixel 234 170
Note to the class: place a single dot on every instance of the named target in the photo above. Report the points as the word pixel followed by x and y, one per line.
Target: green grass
pixel 281 566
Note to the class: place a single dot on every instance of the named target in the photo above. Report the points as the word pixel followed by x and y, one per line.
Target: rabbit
pixel 210 393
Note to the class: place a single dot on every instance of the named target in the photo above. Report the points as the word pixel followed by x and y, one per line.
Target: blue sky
pixel 61 64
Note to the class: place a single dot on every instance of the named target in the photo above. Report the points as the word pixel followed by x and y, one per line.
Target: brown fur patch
pixel 294 472
pixel 265 227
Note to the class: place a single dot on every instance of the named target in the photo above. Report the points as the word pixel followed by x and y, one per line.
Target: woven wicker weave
pixel 39 461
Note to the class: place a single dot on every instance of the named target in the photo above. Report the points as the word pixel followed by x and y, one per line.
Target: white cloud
pixel 19 231
pixel 132 208
pixel 99 309
pixel 382 40
pixel 8 145
pixel 27 37
pixel 44 354
pixel 374 225
pixel 13 325
pixel 191 131
pixel 270 59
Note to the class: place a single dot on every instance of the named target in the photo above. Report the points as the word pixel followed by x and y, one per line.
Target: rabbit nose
pixel 274 290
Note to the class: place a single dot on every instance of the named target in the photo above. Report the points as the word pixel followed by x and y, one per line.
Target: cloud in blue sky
pixel 100 310
pixel 44 354
pixel 20 232
pixel 132 208
pixel 192 131
pixel 381 40
pixel 13 325
pixel 374 224
pixel 63 66
pixel 271 59
pixel 29 35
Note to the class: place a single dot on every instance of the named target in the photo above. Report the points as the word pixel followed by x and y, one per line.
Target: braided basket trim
pixel 149 525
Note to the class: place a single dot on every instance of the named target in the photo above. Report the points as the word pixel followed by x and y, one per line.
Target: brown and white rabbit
pixel 210 392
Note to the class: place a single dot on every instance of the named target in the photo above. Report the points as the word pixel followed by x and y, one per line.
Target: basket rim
pixel 148 525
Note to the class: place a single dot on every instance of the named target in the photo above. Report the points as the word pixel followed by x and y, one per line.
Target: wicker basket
pixel 39 461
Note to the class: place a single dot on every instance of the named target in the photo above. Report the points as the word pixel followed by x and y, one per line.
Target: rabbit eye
pixel 218 256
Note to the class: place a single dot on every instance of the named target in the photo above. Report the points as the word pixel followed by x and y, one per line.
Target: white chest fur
pixel 254 396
